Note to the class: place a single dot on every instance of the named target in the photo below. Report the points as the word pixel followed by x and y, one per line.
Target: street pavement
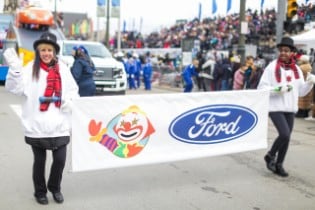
pixel 230 182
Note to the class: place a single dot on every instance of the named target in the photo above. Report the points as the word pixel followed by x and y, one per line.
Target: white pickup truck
pixel 110 75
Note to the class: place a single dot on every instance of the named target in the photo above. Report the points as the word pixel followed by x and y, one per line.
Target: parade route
pixel 237 181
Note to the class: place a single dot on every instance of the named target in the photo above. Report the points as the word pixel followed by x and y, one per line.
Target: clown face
pixel 126 134
pixel 131 127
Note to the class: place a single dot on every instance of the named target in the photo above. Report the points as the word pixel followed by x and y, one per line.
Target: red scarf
pixel 53 84
pixel 287 66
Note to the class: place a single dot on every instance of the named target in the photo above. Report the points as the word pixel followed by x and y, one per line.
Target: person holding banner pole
pixel 47 89
pixel 285 80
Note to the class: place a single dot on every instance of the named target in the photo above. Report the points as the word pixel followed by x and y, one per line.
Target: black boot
pixel 306 111
pixel 299 114
pixel 270 162
pixel 280 170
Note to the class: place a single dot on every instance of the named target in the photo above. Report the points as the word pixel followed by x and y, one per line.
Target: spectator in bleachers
pixel 218 33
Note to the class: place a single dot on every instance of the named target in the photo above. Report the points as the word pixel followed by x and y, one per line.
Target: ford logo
pixel 213 124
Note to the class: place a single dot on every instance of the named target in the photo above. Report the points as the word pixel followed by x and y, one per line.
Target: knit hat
pixel 83 49
pixel 304 58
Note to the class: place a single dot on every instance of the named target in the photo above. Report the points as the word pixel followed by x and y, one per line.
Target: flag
pixel 262 4
pixel 199 11
pixel 140 25
pixel 214 6
pixel 229 4
pixel 124 26
pixel 115 3
pixel 101 2
pixel 100 9
pixel 115 8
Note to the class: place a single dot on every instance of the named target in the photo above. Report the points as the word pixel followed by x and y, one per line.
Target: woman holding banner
pixel 47 88
pixel 285 81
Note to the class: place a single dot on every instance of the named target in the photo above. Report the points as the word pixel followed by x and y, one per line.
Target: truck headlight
pixel 118 73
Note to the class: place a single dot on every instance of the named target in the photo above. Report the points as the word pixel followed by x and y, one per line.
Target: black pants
pixel 283 122
pixel 201 84
pixel 55 177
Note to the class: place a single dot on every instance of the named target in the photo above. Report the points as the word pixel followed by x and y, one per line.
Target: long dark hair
pixel 36 64
pixel 79 53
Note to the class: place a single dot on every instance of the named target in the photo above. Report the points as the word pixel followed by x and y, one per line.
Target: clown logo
pixel 125 135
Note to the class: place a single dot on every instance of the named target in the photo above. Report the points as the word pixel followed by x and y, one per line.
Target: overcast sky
pixel 154 13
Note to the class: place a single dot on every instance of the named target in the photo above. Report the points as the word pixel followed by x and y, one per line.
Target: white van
pixel 110 75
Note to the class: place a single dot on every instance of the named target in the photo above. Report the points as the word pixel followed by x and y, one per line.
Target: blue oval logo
pixel 213 124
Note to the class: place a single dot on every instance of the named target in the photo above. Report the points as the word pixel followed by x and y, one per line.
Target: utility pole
pixel 107 25
pixel 56 13
pixel 119 35
pixel 280 19
pixel 242 31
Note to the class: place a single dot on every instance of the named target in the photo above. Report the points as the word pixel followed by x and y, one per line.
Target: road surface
pixel 230 182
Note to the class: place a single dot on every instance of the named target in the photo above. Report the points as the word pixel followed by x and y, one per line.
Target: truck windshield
pixel 95 50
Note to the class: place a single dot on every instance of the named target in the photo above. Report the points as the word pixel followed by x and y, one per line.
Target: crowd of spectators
pixel 219 33
pixel 217 70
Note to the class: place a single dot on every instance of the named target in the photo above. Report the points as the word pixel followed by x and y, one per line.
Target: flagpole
pixel 107 25
pixel 140 25
pixel 280 19
pixel 98 29
pixel 199 11
pixel 55 13
pixel 119 33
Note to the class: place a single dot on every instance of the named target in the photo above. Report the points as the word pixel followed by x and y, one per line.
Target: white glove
pixel 13 60
pixel 282 89
pixel 310 78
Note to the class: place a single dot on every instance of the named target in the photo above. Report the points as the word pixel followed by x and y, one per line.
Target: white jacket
pixel 37 124
pixel 284 101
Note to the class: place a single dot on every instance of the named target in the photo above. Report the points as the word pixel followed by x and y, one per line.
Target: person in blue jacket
pixel 187 74
pixel 147 72
pixel 138 69
pixel 131 70
pixel 82 71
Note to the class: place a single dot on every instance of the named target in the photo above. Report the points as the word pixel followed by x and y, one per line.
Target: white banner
pixel 117 131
